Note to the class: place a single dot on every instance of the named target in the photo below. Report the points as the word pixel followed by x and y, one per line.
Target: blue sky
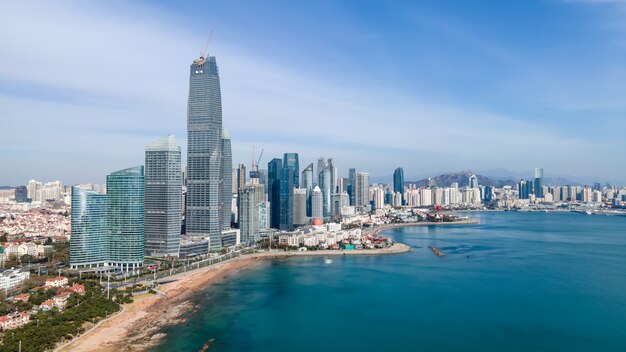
pixel 432 86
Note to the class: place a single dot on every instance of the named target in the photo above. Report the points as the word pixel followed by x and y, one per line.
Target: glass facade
pixel 398 182
pixel 164 198
pixel 289 178
pixel 204 152
pixel 227 181
pixel 273 182
pixel 125 218
pixel 88 242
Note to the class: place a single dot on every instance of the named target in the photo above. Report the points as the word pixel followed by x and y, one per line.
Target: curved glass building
pixel 125 218
pixel 88 242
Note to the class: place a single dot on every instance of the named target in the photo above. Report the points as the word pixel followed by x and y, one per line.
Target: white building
pixel 12 278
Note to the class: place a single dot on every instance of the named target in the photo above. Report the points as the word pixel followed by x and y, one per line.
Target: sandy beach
pixel 136 327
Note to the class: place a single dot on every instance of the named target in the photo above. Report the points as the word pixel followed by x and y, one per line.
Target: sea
pixel 515 282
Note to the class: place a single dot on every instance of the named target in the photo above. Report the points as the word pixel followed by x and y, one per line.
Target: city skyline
pixel 112 112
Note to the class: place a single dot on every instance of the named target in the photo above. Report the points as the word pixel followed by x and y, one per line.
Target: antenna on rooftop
pixel 206 46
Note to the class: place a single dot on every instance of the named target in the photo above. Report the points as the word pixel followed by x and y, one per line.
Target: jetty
pixel 437 252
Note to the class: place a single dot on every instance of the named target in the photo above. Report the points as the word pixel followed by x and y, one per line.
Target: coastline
pixel 136 326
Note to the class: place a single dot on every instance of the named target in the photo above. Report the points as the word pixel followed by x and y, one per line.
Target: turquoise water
pixel 516 282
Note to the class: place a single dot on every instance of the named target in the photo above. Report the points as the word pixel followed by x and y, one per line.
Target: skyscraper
pixel 204 159
pixel 248 214
pixel 241 176
pixel 289 178
pixel 226 179
pixel 125 218
pixel 299 206
pixel 88 242
pixel 316 204
pixel 362 189
pixel 398 182
pixel 163 194
pixel 274 168
pixel 539 182
pixel 307 178
pixel 351 186
pixel 473 181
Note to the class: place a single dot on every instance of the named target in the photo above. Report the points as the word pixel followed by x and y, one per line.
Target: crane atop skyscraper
pixel 206 46
pixel 254 171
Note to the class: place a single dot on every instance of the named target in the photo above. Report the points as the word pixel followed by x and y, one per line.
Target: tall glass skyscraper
pixel 227 180
pixel 204 152
pixel 88 242
pixel 164 198
pixel 539 182
pixel 125 218
pixel 274 168
pixel 289 178
pixel 398 183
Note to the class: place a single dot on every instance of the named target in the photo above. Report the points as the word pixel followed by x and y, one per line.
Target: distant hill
pixel 6 187
pixel 462 178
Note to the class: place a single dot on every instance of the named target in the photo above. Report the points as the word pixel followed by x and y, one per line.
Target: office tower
pixel 234 180
pixel 21 194
pixel 539 182
pixel 398 182
pixel 125 217
pixel 362 189
pixel 307 178
pixel 342 184
pixel 299 207
pixel 88 242
pixel 352 186
pixel 325 186
pixel 317 210
pixel 473 181
pixel 289 178
pixel 339 201
pixel 241 176
pixel 226 178
pixel 163 194
pixel 263 179
pixel 204 160
pixel 248 214
pixel 488 197
pixel 321 164
pixel 33 188
pixel 524 188
pixel 273 180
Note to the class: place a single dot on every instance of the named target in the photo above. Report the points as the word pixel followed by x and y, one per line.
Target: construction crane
pixel 206 46
pixel 254 172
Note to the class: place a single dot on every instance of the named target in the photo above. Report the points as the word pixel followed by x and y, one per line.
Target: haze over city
pixel 432 87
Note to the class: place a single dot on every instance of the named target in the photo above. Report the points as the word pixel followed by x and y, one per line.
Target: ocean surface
pixel 515 282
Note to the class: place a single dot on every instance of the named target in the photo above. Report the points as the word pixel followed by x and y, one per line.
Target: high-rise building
pixel 274 168
pixel 317 204
pixel 299 207
pixel 241 176
pixel 88 242
pixel 398 182
pixel 539 182
pixel 125 218
pixel 473 181
pixel 33 187
pixel 289 178
pixel 204 159
pixel 328 184
pixel 21 194
pixel 362 189
pixel 226 179
pixel 352 186
pixel 307 178
pixel 163 198
pixel 248 214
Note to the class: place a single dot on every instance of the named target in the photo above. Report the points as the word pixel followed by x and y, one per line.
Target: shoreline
pixel 136 326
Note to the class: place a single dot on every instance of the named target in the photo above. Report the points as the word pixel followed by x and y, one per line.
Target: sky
pixel 432 86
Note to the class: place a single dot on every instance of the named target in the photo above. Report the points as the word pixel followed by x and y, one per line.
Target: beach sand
pixel 136 327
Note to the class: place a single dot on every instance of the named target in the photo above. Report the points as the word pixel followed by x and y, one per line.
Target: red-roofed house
pixel 13 320
pixel 47 305
pixel 24 297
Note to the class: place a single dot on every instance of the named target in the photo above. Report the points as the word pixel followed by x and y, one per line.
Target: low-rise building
pixel 59 281
pixel 14 320
pixel 12 278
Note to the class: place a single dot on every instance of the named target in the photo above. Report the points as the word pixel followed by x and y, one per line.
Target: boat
pixel 437 252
